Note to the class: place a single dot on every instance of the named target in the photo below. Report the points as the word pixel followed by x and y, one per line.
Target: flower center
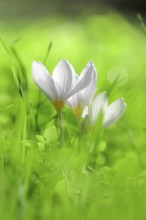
pixel 78 112
pixel 59 104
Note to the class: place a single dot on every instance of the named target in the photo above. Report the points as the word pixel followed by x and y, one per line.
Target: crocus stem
pixel 95 147
pixel 61 127
pixel 80 143
pixel 94 155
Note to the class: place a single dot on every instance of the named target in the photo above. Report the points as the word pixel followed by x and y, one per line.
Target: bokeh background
pixel 110 33
pixel 29 8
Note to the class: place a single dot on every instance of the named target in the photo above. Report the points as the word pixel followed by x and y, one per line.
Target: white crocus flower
pixel 111 113
pixel 81 99
pixel 63 83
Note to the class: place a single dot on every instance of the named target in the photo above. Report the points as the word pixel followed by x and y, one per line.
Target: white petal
pixel 83 81
pixel 85 96
pixel 59 90
pixel 69 103
pixel 73 101
pixel 43 80
pixel 63 75
pixel 113 112
pixel 89 91
pixel 98 105
pixel 85 69
pixel 75 79
pixel 85 112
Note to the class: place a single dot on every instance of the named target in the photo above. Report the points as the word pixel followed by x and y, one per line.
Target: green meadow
pixel 39 178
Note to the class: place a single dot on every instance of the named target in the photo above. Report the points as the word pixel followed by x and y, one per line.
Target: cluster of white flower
pixel 65 86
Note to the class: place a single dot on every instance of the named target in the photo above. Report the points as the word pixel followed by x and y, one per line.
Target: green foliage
pixel 42 180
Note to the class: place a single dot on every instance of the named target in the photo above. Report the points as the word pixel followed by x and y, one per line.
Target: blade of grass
pixel 16 75
pixel 47 53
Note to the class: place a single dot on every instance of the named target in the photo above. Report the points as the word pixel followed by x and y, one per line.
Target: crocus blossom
pixel 63 83
pixel 111 113
pixel 82 98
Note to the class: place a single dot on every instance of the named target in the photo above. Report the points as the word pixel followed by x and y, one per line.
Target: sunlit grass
pixel 41 180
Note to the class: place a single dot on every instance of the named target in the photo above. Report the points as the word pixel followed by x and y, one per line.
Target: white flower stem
pixel 94 155
pixel 61 127
pixel 94 148
pixel 79 137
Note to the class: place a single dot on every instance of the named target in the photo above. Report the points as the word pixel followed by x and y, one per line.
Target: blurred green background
pixel 38 180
